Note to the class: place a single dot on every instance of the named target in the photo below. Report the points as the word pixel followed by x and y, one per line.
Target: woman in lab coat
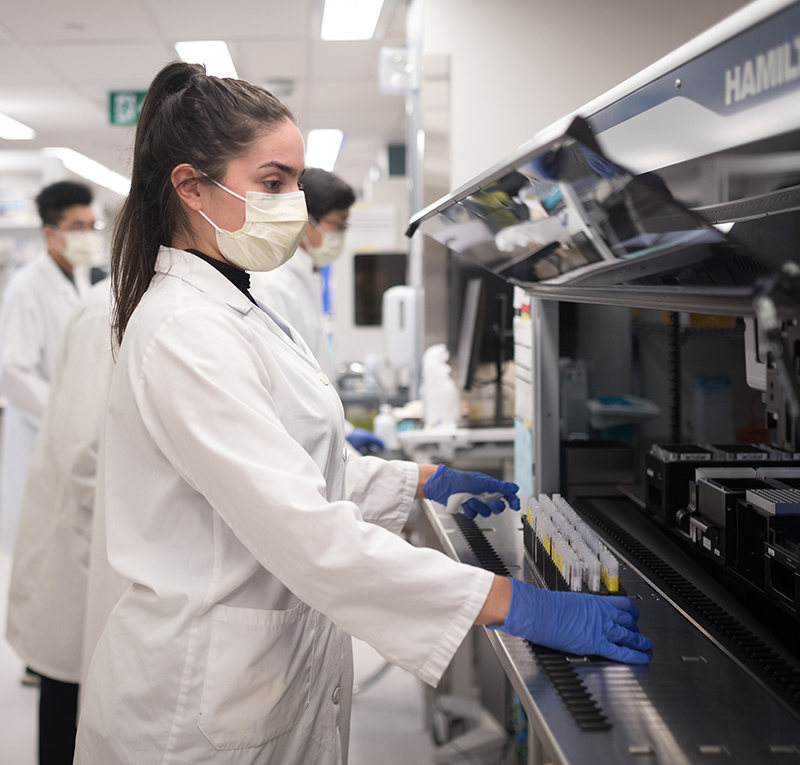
pixel 255 547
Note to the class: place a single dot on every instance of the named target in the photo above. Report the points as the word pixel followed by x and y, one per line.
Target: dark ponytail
pixel 188 117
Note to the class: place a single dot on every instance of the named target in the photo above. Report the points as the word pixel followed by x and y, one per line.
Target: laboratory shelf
pixel 700 700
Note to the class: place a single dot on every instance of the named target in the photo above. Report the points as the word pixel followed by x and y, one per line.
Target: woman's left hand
pixel 470 493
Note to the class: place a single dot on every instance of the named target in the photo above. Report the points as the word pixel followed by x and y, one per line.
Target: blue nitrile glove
pixel 470 493
pixel 577 622
pixel 605 168
pixel 547 166
pixel 365 441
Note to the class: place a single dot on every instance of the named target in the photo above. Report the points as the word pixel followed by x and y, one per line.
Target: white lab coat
pixel 37 303
pixel 47 594
pixel 104 585
pixel 250 553
pixel 295 292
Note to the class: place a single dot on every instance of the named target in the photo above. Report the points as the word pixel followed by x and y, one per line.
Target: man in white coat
pixel 47 596
pixel 295 289
pixel 36 305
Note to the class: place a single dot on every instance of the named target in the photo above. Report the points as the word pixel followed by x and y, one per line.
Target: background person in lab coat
pixel 253 545
pixel 295 289
pixel 35 307
pixel 47 593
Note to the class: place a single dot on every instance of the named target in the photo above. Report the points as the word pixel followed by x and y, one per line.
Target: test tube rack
pixel 568 555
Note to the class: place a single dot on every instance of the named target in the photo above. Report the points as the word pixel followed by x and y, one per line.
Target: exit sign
pixel 124 106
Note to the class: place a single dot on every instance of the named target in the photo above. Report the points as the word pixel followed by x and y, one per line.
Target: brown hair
pixel 187 117
pixel 325 192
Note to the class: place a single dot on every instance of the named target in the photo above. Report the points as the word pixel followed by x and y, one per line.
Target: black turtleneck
pixel 240 279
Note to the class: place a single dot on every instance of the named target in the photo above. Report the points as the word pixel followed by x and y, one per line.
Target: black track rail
pixel 580 703
pixel 778 674
pixel 481 547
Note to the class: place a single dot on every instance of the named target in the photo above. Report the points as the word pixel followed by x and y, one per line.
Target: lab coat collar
pixel 53 275
pixel 195 271
pixel 302 261
pixel 203 276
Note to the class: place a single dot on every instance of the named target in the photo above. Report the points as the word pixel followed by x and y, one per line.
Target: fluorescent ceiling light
pixel 322 148
pixel 350 19
pixel 213 53
pixel 87 168
pixel 12 130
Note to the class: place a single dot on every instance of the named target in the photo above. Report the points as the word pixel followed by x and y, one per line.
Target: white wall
pixel 516 66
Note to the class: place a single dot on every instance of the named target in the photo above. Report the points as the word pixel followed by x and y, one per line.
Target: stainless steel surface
pixel 692 704
pixel 723 303
pixel 658 542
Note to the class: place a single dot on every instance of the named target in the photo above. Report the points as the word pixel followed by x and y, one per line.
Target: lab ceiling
pixel 59 59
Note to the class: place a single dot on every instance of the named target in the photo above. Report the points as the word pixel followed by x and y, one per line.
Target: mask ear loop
pixel 224 188
pixel 211 221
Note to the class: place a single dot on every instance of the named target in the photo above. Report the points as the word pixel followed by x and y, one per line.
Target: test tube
pixel 576 572
pixel 610 573
pixel 592 573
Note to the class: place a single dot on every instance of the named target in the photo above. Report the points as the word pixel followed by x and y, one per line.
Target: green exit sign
pixel 124 106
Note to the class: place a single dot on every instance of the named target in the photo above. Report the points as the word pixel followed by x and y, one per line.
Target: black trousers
pixel 58 722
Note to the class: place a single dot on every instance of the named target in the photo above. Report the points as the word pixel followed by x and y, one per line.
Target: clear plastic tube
pixel 610 571
pixel 592 574
pixel 575 568
pixel 558 551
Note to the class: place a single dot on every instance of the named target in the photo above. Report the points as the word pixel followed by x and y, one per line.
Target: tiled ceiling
pixel 59 59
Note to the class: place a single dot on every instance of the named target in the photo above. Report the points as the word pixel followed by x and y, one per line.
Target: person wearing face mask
pixel 295 290
pixel 36 304
pixel 253 546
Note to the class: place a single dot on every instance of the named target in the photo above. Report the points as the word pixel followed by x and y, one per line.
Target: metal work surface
pixel 692 704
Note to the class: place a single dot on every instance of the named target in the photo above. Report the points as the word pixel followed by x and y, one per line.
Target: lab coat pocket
pixel 258 678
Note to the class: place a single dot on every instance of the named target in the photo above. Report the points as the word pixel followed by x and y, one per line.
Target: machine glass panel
pixel 569 216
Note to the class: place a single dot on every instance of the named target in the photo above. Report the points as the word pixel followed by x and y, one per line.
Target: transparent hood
pixel 570 216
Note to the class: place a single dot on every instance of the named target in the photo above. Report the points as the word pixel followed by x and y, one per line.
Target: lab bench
pixel 488 449
pixel 705 696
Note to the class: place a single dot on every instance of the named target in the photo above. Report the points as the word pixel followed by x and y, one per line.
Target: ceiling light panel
pixel 88 168
pixel 350 19
pixel 12 130
pixel 213 53
pixel 322 148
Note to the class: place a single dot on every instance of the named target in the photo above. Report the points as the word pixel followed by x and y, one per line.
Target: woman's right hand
pixel 576 622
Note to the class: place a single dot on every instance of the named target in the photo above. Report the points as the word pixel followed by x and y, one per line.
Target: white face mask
pixel 81 247
pixel 328 250
pixel 274 225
